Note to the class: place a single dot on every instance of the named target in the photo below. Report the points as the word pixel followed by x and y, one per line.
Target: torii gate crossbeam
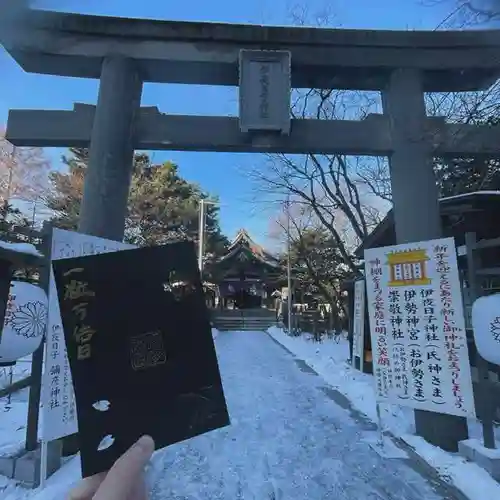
pixel 158 131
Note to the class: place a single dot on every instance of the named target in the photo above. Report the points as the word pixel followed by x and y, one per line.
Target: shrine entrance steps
pixel 243 319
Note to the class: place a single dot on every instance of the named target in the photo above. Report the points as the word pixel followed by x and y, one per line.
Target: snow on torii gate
pixel 124 53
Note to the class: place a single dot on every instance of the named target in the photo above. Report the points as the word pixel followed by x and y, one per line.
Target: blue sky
pixel 219 173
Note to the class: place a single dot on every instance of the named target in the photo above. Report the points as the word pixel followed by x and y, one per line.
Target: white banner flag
pixel 58 400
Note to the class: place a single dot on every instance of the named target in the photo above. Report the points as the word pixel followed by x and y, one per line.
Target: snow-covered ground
pixel 56 488
pixel 20 370
pixel 288 439
pixel 13 418
pixel 13 411
pixel 215 333
pixel 13 423
pixel 330 361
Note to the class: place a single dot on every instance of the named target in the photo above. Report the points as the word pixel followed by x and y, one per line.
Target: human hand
pixel 124 481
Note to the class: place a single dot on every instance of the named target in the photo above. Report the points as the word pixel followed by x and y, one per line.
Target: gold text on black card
pixel 74 291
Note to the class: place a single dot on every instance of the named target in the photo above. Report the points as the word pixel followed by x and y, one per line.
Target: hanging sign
pixel 265 90
pixel 358 327
pixel 420 354
pixel 486 326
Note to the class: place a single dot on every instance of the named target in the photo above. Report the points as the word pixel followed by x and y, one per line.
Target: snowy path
pixel 288 440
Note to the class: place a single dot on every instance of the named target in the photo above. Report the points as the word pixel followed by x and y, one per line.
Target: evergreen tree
pixel 67 190
pixel 318 266
pixel 466 175
pixel 460 176
pixel 162 205
pixel 13 224
pixel 317 263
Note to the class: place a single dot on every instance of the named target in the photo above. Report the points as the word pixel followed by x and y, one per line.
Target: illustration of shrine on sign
pixel 408 268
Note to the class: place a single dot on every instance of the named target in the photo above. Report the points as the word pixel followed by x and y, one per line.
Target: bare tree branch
pixel 23 172
pixel 466 13
pixel 333 186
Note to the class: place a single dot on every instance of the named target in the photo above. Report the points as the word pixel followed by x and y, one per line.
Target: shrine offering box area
pixel 140 349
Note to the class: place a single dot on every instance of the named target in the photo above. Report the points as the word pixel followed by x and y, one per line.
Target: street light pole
pixel 201 236
pixel 201 230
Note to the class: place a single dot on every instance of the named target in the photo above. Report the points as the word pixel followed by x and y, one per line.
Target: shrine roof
pixel 244 241
pixel 384 233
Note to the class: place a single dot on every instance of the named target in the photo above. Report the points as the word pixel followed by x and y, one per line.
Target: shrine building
pixel 247 276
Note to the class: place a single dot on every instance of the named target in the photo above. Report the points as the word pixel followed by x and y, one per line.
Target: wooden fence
pixel 486 389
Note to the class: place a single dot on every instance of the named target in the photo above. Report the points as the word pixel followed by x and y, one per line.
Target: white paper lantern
pixel 24 323
pixel 486 326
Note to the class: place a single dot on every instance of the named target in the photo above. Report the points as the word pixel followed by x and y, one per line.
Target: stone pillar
pixel 107 181
pixel 415 197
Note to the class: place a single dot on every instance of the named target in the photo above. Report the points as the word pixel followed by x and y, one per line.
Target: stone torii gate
pixel 124 53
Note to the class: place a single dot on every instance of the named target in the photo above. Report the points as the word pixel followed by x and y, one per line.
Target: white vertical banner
pixel 417 327
pixel 358 327
pixel 58 400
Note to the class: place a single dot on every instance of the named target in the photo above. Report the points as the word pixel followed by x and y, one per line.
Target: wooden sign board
pixel 418 337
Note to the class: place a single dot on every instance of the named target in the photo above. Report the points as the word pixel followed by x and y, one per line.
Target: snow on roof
pixel 25 248
pixel 259 252
pixel 467 195
pixel 388 220
pixel 242 236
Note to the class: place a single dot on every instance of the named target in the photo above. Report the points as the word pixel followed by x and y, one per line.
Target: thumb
pixel 127 471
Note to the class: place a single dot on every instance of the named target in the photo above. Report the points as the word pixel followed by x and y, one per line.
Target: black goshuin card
pixel 140 350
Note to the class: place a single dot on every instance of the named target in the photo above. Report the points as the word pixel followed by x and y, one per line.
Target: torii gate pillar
pixel 414 185
pixel 108 177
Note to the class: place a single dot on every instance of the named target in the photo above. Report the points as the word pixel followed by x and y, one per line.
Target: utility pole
pixel 201 237
pixel 288 263
pixel 201 230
